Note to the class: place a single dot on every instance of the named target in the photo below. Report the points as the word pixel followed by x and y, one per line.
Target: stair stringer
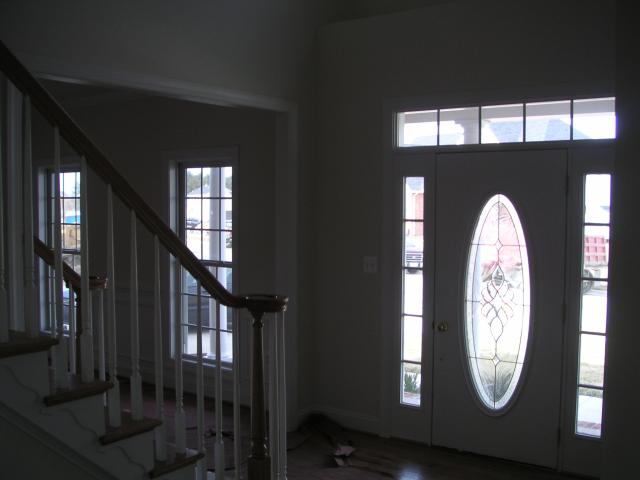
pixel 78 424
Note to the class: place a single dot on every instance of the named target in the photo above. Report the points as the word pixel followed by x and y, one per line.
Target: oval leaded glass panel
pixel 497 303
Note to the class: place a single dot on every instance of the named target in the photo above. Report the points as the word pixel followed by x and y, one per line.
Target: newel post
pixel 259 460
pixel 259 467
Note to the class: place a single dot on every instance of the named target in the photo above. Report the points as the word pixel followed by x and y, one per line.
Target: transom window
pixel 206 226
pixel 592 118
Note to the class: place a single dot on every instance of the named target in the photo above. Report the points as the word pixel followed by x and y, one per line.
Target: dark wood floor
pixel 310 455
pixel 378 458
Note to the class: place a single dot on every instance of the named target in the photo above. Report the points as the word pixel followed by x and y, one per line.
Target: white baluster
pixel 273 398
pixel 61 377
pixel 282 394
pixel 160 432
pixel 73 358
pixel 219 448
pixel 136 379
pixel 237 432
pixel 113 395
pixel 30 278
pixel 102 368
pixel 86 337
pixel 180 421
pixel 202 465
pixel 4 312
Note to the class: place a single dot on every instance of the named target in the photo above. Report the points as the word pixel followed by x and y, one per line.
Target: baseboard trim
pixel 348 419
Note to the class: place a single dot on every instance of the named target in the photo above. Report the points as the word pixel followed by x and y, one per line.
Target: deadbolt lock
pixel 443 327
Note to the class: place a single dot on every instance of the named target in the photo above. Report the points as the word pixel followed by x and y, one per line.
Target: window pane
pixel 596 252
pixel 194 242
pixel 227 246
pixel 548 121
pixel 417 128
pixel 227 173
pixel 413 245
pixel 227 215
pixel 592 349
pixel 594 118
pixel 71 237
pixel 593 315
pixel 411 383
pixel 459 126
pixel 502 123
pixel 414 198
pixel 193 215
pixel 597 198
pixel 193 186
pixel 412 338
pixel 589 415
pixel 70 210
pixel 412 292
pixel 211 213
pixel 211 182
pixel 211 245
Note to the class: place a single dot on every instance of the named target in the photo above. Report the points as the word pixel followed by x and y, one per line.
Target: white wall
pixel 241 46
pixel 450 52
pixel 622 382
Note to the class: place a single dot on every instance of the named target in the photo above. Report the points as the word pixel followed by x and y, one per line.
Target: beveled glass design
pixel 497 303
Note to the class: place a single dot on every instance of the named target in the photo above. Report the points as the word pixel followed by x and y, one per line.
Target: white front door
pixel 498 317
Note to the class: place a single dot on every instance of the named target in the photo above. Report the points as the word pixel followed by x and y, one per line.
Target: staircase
pixel 60 399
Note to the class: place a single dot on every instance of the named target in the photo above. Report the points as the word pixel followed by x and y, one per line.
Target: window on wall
pixel 69 229
pixel 592 333
pixel 583 119
pixel 206 226
pixel 412 280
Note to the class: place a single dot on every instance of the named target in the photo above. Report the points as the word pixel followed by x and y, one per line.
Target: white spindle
pixel 4 312
pixel 219 445
pixel 180 421
pixel 73 358
pixel 282 395
pixel 113 395
pixel 160 432
pixel 102 368
pixel 30 278
pixel 86 337
pixel 202 464
pixel 237 432
pixel 61 376
pixel 136 379
pixel 270 328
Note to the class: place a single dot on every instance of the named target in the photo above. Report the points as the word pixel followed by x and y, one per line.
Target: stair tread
pixel 129 428
pixel 175 462
pixel 20 344
pixel 77 390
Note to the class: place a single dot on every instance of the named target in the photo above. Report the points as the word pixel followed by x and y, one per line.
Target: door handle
pixel 443 326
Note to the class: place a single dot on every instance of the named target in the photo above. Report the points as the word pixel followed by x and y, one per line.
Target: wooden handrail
pixel 70 276
pixel 77 139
